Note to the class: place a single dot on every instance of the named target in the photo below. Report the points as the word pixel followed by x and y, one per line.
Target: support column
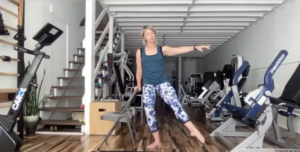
pixel 179 76
pixel 110 51
pixel 89 85
pixel 122 51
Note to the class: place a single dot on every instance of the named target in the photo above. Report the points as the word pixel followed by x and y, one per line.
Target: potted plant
pixel 31 108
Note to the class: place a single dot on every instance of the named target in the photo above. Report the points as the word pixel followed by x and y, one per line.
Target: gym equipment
pixel 227 82
pixel 287 105
pixel 110 79
pixel 173 80
pixel 259 116
pixel 121 62
pixel 196 83
pixel 126 116
pixel 184 95
pixel 216 111
pixel 236 63
pixel 3 30
pixel 115 79
pixel 9 140
pixel 110 64
pixel 228 72
pixel 209 88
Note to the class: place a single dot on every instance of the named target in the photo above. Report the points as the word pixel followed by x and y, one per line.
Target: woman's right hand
pixel 138 88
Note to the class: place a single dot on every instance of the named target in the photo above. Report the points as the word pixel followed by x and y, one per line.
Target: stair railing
pixel 103 52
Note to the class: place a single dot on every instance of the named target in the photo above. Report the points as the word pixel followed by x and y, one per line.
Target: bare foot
pixel 196 133
pixel 154 145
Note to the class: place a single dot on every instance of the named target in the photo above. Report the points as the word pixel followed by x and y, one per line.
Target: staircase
pixel 63 112
pixel 65 94
pixel 66 99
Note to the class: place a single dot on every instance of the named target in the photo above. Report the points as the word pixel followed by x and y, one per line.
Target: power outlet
pixel 51 8
pixel 276 85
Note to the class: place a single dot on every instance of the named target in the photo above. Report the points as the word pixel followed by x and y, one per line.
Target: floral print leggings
pixel 168 94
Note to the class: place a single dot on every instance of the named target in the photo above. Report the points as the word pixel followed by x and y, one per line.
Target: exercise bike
pixel 9 140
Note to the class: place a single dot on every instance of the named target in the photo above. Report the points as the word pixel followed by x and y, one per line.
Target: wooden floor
pixel 174 136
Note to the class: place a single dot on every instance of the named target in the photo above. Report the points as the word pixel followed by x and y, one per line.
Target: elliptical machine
pixel 9 140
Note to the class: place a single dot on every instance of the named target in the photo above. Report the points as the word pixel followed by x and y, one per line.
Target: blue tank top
pixel 153 67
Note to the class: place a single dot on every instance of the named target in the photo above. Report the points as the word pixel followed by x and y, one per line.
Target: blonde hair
pixel 147 27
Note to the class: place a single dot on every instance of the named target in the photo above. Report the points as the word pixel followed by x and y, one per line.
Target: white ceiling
pixel 186 22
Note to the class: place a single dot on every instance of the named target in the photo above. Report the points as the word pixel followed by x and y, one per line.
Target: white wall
pixel 260 44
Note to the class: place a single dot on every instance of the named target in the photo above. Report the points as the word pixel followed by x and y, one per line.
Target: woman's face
pixel 149 36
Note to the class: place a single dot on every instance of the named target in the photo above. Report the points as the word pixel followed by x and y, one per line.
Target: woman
pixel 150 68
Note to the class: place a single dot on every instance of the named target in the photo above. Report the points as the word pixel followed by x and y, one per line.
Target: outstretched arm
pixel 171 51
pixel 138 68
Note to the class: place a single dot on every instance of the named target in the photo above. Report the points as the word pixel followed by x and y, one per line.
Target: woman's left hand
pixel 201 47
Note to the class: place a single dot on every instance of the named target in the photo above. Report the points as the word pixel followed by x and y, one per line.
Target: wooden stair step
pixel 71 109
pixel 8 90
pixel 61 122
pixel 78 55
pixel 66 97
pixel 76 62
pixel 72 69
pixel 67 87
pixel 69 78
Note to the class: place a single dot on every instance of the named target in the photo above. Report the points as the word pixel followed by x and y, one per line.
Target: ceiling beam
pixel 214 28
pixel 156 27
pixel 217 24
pixel 142 19
pixel 187 2
pixel 181 40
pixel 176 24
pixel 162 24
pixel 222 19
pixel 199 19
pixel 188 28
pixel 147 14
pixel 193 30
pixel 235 2
pixel 146 2
pixel 176 44
pixel 184 14
pixel 187 15
pixel 178 37
pixel 193 8
pixel 173 45
pixel 227 14
pixel 160 33
pixel 231 8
